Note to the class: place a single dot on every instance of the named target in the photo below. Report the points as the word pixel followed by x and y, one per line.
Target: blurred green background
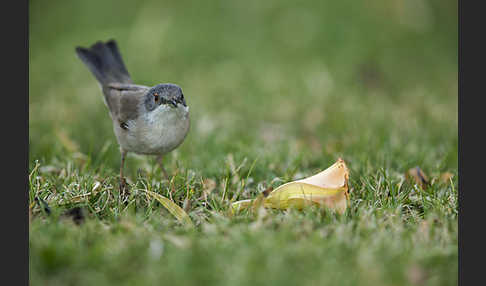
pixel 255 73
pixel 281 87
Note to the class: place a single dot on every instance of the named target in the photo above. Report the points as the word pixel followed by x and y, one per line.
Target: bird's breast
pixel 159 131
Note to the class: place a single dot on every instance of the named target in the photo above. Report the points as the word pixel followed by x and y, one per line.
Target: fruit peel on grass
pixel 327 189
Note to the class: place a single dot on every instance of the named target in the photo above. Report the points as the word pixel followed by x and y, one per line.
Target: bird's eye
pixel 156 97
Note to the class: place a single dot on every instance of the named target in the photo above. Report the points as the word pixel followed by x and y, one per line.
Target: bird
pixel 146 120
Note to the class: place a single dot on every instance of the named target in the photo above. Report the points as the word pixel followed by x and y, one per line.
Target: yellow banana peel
pixel 328 189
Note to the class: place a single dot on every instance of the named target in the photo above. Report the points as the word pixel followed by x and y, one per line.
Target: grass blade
pixel 174 209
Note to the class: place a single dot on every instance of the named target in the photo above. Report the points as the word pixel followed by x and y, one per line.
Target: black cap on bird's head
pixel 166 93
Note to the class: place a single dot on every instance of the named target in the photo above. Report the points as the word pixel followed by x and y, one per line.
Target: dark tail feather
pixel 105 62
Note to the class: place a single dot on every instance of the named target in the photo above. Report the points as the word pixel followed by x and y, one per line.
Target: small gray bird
pixel 146 120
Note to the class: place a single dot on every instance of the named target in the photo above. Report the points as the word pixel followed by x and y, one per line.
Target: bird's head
pixel 164 94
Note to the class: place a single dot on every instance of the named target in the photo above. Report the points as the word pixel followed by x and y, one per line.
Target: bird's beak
pixel 173 102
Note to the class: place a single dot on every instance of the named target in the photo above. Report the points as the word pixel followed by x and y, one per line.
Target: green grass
pixel 277 91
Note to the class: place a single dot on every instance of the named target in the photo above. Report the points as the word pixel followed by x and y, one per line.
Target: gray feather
pixel 105 62
pixel 124 100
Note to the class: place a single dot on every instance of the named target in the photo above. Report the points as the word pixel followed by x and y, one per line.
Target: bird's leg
pixel 123 182
pixel 159 161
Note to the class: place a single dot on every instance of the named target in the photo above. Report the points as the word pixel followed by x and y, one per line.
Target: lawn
pixel 278 91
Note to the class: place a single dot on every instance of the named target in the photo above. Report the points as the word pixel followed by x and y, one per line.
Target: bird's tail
pixel 105 62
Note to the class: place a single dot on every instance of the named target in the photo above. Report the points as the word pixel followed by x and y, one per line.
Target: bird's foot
pixel 124 191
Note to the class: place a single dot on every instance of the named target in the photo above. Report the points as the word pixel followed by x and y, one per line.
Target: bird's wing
pixel 124 100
